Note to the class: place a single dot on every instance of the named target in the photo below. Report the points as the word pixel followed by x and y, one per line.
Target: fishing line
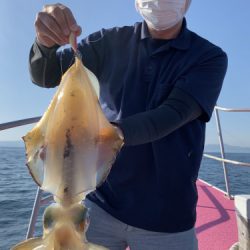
pixel 61 51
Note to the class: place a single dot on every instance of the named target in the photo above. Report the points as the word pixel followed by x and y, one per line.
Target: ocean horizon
pixel 214 148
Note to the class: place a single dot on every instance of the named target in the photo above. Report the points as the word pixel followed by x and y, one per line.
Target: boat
pixel 223 220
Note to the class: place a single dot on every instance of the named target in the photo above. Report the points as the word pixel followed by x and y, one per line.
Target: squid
pixel 69 153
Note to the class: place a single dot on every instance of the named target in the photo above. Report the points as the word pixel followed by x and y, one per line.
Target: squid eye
pixel 49 217
pixel 48 222
pixel 79 215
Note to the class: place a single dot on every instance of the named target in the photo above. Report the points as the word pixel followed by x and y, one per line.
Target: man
pixel 159 83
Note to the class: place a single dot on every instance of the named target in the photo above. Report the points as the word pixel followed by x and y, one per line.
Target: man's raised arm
pixel 53 25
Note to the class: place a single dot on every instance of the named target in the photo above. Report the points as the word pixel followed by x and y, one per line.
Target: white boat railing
pixel 19 123
pixel 40 200
pixel 223 160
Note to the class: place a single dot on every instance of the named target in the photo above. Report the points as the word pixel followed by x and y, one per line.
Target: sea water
pixel 18 190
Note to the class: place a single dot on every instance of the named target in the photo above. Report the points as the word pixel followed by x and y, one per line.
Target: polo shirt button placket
pixel 147 75
pixel 148 78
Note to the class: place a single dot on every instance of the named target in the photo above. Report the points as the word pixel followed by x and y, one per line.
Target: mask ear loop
pixel 136 6
pixel 188 5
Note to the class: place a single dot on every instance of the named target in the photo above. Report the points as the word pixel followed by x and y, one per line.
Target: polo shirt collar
pixel 181 42
pixel 144 31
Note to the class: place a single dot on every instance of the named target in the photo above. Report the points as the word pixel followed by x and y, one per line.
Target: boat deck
pixel 216 225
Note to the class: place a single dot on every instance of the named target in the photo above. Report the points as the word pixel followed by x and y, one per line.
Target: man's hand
pixel 54 25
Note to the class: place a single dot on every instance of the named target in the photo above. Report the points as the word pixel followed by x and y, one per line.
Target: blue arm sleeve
pixel 44 67
pixel 178 109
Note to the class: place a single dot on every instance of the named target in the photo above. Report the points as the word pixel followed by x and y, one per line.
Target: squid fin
pixel 30 244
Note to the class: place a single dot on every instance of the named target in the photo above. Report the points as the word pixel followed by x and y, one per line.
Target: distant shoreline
pixel 12 147
pixel 209 148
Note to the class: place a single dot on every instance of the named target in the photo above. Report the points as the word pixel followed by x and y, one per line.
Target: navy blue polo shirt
pixel 152 185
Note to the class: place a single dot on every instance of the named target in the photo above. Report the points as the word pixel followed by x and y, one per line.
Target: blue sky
pixel 224 22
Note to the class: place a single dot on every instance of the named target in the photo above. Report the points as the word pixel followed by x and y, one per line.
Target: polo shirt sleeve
pixel 204 81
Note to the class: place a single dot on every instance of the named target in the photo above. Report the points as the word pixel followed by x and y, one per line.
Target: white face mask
pixel 162 14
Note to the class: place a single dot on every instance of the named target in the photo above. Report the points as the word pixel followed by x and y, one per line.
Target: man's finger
pixel 70 19
pixel 48 21
pixel 79 31
pixel 43 30
pixel 59 17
